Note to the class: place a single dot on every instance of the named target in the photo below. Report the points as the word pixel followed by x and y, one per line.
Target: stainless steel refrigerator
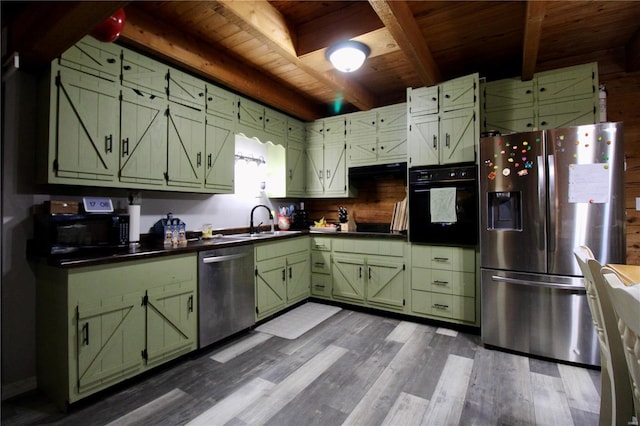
pixel 541 195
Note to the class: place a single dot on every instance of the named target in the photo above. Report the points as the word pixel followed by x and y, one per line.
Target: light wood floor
pixel 355 368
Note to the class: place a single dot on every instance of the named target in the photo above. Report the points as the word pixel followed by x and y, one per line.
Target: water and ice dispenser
pixel 504 210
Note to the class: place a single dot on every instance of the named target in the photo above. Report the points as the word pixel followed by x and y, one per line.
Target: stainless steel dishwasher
pixel 226 294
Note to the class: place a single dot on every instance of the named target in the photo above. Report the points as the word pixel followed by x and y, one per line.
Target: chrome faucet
pixel 251 230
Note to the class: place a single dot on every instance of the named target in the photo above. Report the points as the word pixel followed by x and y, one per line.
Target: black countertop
pixel 152 248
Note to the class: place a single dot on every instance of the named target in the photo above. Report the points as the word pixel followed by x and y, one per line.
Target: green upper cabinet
pixel 220 128
pixel 186 89
pixel 450 135
pixel 144 74
pixel 143 139
pixel 93 57
pixel 326 166
pixel 556 98
pixel 378 136
pixel 185 147
pixel 257 121
pixel 83 125
pixel 221 103
pixel 423 100
pixel 295 172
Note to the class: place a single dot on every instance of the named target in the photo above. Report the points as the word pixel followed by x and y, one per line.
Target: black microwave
pixel 66 233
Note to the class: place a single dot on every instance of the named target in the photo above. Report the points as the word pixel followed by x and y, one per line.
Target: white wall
pixel 19 194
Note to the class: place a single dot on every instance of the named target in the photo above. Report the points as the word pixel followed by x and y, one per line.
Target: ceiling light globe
pixel 348 56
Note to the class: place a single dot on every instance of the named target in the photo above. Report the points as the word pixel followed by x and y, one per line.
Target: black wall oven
pixel 443 205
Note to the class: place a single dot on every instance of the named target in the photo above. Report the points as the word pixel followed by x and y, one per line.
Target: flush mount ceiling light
pixel 348 56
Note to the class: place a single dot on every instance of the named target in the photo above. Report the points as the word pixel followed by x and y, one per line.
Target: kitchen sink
pixel 267 234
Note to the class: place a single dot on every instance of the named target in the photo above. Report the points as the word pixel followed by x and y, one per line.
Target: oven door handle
pixel 217 259
pixel 416 191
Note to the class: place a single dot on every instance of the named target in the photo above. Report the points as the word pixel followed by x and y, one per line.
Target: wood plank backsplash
pixel 373 202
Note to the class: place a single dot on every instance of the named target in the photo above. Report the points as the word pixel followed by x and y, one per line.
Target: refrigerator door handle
pixel 552 196
pixel 577 290
pixel 541 202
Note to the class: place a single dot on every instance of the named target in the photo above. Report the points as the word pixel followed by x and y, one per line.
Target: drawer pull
pixel 441 283
pixel 319 264
pixel 318 286
pixel 441 259
pixel 440 306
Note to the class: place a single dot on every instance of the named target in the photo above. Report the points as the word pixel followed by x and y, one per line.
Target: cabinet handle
pixel 528 92
pixel 328 174
pixel 318 286
pixel 447 96
pixel 85 334
pixel 111 61
pixel 447 139
pixel 440 306
pixel 290 272
pixel 190 303
pixel 542 89
pixel 373 149
pixel 327 130
pixel 199 159
pixel 108 143
pixel 284 275
pixel 360 272
pixel 126 67
pixel 125 147
pixel 544 123
pixel 435 141
pixel 369 273
pixel 320 174
pixel 320 264
pixel 290 174
pixel 382 147
pixel 529 124
pixel 210 98
pixel 441 282
pixel 434 99
pixel 209 160
pixel 201 94
pixel 441 259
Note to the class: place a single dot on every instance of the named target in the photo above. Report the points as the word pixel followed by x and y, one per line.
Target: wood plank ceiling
pixel 274 51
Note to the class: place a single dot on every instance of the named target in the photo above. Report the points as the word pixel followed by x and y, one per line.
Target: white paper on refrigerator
pixel 589 183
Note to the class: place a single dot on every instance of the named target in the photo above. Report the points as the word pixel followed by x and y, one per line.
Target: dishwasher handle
pixel 224 258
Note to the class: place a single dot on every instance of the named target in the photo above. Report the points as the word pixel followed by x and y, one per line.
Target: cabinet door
pixel 222 103
pixel 219 152
pixel 572 82
pixel 93 57
pixel 570 112
pixel 458 136
pixel 84 129
pixel 508 94
pixel 185 161
pixel 315 132
pixel 348 278
pixel 185 89
pixel 110 340
pixel 459 93
pixel 143 138
pixel 517 119
pixel 295 130
pixel 295 169
pixel 143 74
pixel 362 123
pixel 392 119
pixel 172 321
pixel 424 140
pixel 385 279
pixel 314 168
pixel 423 100
pixel 392 146
pixel 335 129
pixel 275 125
pixel 298 277
pixel 271 291
pixel 250 118
pixel 363 150
pixel 335 166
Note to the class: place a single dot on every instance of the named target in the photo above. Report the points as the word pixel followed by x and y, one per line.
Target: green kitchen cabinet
pixel 321 267
pixel 186 89
pixel 448 136
pixel 282 274
pixel 577 82
pixel 82 129
pixel 385 281
pixel 286 165
pixel 570 112
pixel 219 154
pixel 509 105
pixel 99 325
pixel 221 103
pixel 143 74
pixel 326 170
pixel 185 147
pixel 378 136
pixel 91 56
pixel 143 140
pixel 295 169
pixel 257 121
pixel 444 283
pixel 348 272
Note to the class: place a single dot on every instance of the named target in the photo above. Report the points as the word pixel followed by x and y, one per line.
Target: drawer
pixel 369 246
pixel 455 307
pixel 453 259
pixel 421 302
pixel 321 262
pixel 442 305
pixel 321 285
pixel 321 243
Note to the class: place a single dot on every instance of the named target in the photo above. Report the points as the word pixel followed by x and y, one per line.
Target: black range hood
pixel 381 171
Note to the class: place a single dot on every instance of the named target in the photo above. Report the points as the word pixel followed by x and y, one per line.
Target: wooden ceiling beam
pixel 532 33
pixel 43 30
pixel 632 53
pixel 176 46
pixel 259 19
pixel 398 18
pixel 351 22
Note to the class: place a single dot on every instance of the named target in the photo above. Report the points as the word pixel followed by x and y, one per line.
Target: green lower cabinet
pixel 117 320
pixel 348 278
pixel 385 281
pixel 283 275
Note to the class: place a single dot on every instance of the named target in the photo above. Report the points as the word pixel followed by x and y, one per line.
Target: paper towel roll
pixel 134 223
